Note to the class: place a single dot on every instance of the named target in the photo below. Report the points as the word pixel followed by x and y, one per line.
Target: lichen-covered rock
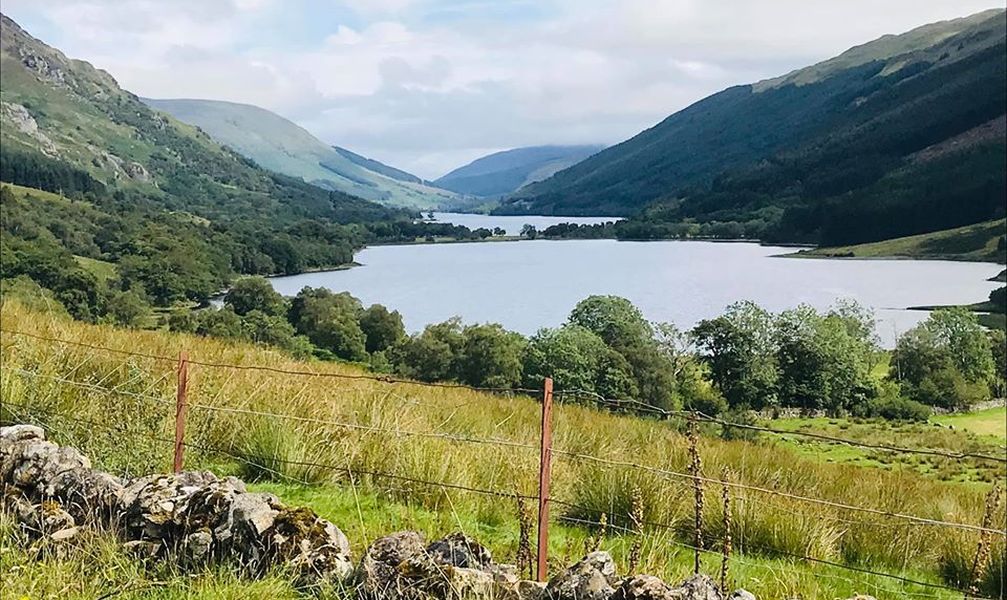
pixel 384 571
pixel 590 579
pixel 459 550
pixel 697 587
pixel 644 587
pixel 195 517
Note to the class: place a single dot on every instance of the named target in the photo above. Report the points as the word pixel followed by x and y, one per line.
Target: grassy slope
pixel 282 146
pixel 973 242
pixel 763 525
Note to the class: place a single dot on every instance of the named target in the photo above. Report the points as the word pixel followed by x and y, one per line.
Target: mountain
pixel 899 136
pixel 508 171
pixel 377 166
pixel 282 146
pixel 176 214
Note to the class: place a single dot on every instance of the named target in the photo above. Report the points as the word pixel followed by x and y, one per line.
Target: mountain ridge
pixel 507 171
pixel 278 144
pixel 773 146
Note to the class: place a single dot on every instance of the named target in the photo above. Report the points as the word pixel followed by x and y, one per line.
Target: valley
pixel 261 270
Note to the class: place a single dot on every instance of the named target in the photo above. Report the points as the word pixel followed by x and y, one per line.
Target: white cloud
pixel 427 84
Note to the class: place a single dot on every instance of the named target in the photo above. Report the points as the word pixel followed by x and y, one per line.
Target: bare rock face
pixel 193 517
pixel 22 120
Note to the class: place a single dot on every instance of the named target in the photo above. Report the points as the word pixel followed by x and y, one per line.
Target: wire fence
pixel 575 513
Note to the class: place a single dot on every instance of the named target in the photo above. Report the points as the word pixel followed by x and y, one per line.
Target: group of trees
pixel 744 359
pixel 163 259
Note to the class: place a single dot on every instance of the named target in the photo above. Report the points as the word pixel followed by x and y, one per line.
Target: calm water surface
pixel 513 225
pixel 531 284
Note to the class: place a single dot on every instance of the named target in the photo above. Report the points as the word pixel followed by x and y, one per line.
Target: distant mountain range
pixel 898 136
pixel 505 172
pixel 280 145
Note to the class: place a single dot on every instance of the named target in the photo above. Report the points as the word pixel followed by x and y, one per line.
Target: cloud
pixel 429 84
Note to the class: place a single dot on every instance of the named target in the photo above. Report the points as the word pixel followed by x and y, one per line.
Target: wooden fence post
pixel 696 470
pixel 183 383
pixel 545 464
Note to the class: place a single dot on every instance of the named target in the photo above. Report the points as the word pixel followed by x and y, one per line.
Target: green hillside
pixel 111 207
pixel 377 166
pixel 508 171
pixel 900 136
pixel 282 146
pixel 981 242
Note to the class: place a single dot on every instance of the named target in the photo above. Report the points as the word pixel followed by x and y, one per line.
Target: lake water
pixel 513 225
pixel 525 285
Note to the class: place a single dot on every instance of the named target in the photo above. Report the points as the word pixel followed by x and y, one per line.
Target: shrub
pixel 898 409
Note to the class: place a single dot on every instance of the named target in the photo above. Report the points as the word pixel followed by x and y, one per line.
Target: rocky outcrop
pixel 22 120
pixel 194 517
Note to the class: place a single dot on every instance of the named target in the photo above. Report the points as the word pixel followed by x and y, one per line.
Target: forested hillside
pixel 100 176
pixel 508 171
pixel 900 136
pixel 282 146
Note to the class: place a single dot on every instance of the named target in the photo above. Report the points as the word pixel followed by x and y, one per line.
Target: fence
pixel 546 451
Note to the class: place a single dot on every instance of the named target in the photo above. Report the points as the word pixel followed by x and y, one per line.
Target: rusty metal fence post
pixel 544 473
pixel 180 404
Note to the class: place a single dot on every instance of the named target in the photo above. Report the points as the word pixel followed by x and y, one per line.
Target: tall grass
pixel 129 432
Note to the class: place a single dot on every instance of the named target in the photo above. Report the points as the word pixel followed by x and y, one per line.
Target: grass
pixel 973 242
pixel 125 431
pixel 934 435
pixel 991 422
pixel 101 269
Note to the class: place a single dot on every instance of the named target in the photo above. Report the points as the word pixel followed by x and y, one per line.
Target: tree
pixel 823 361
pixel 739 350
pixel 430 355
pixel 330 321
pixel 223 323
pixel 490 356
pixel 255 293
pixel 382 328
pixel 945 361
pixel 572 355
pixel 615 320
pixel 127 308
pixel 529 231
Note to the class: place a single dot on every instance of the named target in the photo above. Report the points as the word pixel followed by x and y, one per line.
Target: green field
pixel 298 422
pixel 973 243
pixel 991 422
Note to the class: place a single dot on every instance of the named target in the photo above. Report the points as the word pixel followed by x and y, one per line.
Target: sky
pixel 428 85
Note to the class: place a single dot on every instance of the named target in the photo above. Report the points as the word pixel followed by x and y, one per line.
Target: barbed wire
pixel 655 410
pixel 379 378
pixel 776 551
pixel 592 458
pixel 350 471
pixel 341 424
pixel 754 488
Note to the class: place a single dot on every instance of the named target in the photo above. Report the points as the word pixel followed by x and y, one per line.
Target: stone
pixel 644 587
pixel 696 587
pixel 459 550
pixel 194 517
pixel 197 547
pixel 741 594
pixel 589 579
pixel 64 534
pixel 385 568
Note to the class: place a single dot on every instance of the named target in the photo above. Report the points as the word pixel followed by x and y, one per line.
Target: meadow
pixel 376 456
